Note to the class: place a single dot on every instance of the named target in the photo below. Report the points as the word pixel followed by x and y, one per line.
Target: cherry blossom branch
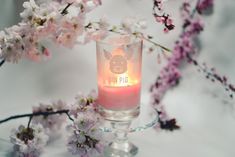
pixel 185 46
pixel 121 30
pixel 43 21
pixel 31 140
pixel 148 39
pixel 37 114
pixel 160 17
pixel 211 74
pixel 63 12
pixel 26 43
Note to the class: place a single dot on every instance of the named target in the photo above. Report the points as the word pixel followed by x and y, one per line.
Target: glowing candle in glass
pixel 119 61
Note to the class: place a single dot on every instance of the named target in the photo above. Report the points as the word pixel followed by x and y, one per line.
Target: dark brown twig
pixel 2 62
pixel 65 10
pixel 37 114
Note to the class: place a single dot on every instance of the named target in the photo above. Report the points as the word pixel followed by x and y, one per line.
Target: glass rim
pixel 132 39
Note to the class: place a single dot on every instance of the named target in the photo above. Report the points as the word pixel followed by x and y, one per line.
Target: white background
pixel 201 107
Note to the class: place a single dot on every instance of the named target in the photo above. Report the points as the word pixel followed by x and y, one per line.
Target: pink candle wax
pixel 119 97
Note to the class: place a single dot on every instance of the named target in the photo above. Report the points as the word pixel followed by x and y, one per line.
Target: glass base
pixel 120 146
pixel 120 123
pixel 119 116
pixel 120 150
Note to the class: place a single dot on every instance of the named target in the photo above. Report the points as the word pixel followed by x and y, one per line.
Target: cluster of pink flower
pixel 184 47
pixel 43 21
pixel 54 122
pixel 84 135
pixel 204 6
pixel 28 141
pixel 161 17
pixel 60 21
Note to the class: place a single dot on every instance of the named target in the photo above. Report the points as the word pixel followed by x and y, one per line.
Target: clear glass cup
pixel 119 62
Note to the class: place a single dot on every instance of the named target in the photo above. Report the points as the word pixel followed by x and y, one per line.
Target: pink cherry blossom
pixel 204 5
pixel 53 122
pixel 28 142
pixel 44 20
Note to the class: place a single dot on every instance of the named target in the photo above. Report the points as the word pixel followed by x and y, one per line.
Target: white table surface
pixel 208 124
